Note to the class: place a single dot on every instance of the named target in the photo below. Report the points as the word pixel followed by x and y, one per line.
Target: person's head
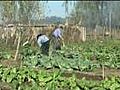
pixel 56 26
pixel 39 35
pixel 61 27
pixel 52 25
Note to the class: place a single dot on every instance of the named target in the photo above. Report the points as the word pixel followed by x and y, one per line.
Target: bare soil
pixel 94 75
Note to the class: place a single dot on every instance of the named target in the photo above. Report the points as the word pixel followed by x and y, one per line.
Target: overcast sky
pixel 56 8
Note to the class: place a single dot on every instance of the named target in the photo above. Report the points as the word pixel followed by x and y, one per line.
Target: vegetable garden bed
pixel 79 67
pixel 25 78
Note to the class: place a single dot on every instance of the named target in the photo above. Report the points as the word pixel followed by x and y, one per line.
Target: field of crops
pixel 83 57
pixel 40 72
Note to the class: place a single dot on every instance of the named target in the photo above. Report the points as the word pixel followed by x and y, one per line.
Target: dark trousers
pixel 54 45
pixel 45 48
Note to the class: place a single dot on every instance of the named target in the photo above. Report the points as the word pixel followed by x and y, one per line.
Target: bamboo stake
pixel 15 40
pixel 6 37
pixel 18 45
pixel 103 72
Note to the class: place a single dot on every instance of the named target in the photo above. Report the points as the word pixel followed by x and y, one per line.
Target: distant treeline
pixel 54 19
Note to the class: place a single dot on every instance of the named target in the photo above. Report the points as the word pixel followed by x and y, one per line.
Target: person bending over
pixel 43 42
pixel 56 39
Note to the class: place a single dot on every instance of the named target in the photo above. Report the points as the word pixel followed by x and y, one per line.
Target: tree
pixel 21 11
pixel 92 13
pixel 66 4
pixel 6 10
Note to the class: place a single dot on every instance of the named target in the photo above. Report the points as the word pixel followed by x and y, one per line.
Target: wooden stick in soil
pixel 18 45
pixel 103 72
pixel 15 40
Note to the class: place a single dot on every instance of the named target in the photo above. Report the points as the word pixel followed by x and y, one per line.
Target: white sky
pixel 56 8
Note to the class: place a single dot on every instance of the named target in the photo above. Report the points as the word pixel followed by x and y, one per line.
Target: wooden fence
pixel 72 33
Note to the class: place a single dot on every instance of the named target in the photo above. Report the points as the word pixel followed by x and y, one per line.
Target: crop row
pixel 84 57
pixel 25 78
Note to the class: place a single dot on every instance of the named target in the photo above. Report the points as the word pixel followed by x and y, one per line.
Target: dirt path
pixel 94 75
pixel 108 72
